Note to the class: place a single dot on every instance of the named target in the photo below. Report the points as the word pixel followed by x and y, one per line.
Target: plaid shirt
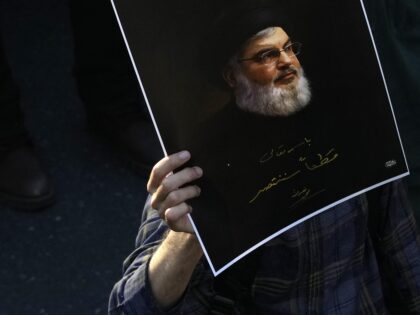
pixel 330 264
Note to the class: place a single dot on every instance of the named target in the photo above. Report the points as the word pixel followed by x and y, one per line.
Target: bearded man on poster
pixel 338 262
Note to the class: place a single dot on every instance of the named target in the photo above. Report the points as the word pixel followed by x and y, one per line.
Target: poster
pixel 283 104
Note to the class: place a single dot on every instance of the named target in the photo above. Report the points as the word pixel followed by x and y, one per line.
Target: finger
pixel 175 213
pixel 177 197
pixel 173 182
pixel 164 167
pixel 177 218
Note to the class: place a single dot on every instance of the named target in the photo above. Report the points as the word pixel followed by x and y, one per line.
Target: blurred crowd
pixel 114 108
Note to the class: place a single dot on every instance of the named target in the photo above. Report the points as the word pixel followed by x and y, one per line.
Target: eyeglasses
pixel 271 56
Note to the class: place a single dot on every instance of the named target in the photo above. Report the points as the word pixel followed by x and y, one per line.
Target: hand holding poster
pixel 284 107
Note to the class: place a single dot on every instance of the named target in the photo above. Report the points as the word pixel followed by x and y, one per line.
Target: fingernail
pixel 198 190
pixel 198 170
pixel 184 155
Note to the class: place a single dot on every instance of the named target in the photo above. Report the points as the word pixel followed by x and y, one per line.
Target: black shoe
pixel 135 141
pixel 23 183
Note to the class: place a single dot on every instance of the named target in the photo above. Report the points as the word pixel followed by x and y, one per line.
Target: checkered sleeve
pixel 398 250
pixel 132 295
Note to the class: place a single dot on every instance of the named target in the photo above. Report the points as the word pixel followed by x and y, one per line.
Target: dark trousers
pixel 103 70
pixel 105 77
pixel 11 118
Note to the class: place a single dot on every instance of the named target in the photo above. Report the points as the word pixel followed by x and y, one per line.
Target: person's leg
pixel 107 83
pixel 11 118
pixel 23 184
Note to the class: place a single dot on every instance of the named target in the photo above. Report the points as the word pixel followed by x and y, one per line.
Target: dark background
pixel 66 259
pixel 170 68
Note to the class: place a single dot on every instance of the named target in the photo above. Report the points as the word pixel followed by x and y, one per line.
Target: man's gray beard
pixel 270 100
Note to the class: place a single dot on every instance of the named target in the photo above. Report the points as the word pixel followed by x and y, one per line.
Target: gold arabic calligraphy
pixel 274 182
pixel 282 150
pixel 323 159
pixel 304 195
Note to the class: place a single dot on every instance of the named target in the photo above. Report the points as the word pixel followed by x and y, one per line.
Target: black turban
pixel 234 26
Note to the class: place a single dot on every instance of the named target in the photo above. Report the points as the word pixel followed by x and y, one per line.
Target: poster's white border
pixel 138 78
pixel 219 271
pixel 385 84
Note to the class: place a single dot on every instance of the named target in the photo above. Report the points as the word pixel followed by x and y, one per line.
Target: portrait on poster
pixel 283 104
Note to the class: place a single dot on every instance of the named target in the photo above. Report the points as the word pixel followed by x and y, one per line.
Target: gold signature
pixel 303 195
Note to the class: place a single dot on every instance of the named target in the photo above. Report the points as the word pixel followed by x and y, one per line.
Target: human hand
pixel 167 196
